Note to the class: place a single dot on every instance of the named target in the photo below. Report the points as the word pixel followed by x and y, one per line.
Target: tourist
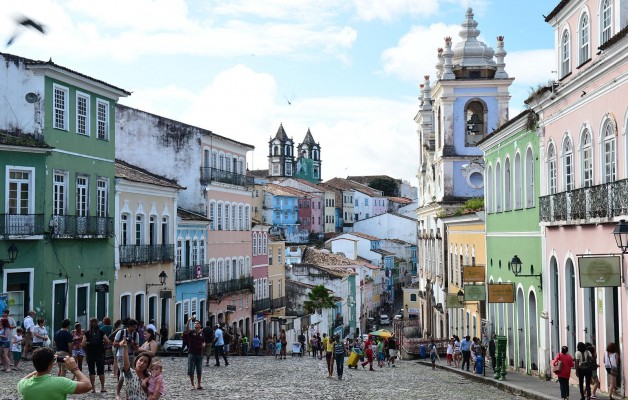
pixel 491 351
pixel 106 328
pixel 339 355
pixel 5 344
pixel 564 373
pixel 208 335
pixel 163 334
pixel 40 384
pixel 155 385
pixel 368 350
pixel 94 341
pixel 301 340
pixel 611 363
pixel 128 333
pixel 256 345
pixel 12 324
pixel 314 342
pixel 433 351
pixel 465 349
pixel 584 360
pixel 29 328
pixel 133 377
pixel 63 344
pixel 450 351
pixel 595 380
pixel 284 343
pixel 457 352
pixel 77 340
pixel 40 334
pixel 219 346
pixel 150 345
pixel 392 350
pixel 329 357
pixel 195 342
pixel 112 337
pixel 16 348
pixel 270 346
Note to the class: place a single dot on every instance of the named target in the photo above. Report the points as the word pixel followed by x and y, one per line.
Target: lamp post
pixel 460 295
pixel 621 235
pixel 515 266
pixel 12 251
pixel 162 281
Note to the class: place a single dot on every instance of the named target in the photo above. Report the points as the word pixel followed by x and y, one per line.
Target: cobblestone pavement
pixel 299 378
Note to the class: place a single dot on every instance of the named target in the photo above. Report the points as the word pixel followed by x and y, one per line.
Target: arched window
pixel 476 127
pixel 498 188
pixel 254 244
pixel 584 38
pixel 228 163
pixel 227 208
pixel 530 181
pixel 275 150
pixel 551 169
pixel 233 217
pixel 259 244
pixel 568 177
pixel 240 218
pixel 507 186
pixel 587 159
pixel 221 164
pixel 220 277
pixel 214 160
pixel 489 190
pixel 212 216
pixel 219 217
pixel 247 225
pixel 265 249
pixel 565 67
pixel 606 17
pixel 212 271
pixel 518 175
pixel 610 152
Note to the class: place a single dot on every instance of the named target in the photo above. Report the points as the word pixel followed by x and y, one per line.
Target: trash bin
pixel 479 364
pixel 422 351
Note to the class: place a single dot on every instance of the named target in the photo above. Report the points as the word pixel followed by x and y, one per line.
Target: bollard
pixel 501 344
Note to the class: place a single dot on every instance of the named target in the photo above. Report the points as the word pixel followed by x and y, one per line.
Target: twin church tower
pixel 284 163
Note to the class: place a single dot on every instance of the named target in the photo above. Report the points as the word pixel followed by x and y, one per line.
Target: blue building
pixel 281 209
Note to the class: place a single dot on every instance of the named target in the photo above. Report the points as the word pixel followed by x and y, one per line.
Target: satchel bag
pixel 557 367
pixel 614 371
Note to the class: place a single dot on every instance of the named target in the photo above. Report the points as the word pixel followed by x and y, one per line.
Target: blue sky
pixel 349 69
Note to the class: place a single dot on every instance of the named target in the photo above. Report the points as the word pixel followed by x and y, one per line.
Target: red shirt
pixel 195 341
pixel 568 364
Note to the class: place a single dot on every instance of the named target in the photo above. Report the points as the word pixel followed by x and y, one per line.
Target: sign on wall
pixel 474 293
pixel 599 271
pixel 452 301
pixel 501 292
pixel 474 274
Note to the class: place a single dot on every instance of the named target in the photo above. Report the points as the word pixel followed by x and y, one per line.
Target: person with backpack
pixel 561 366
pixel 433 353
pixel 129 332
pixel 584 365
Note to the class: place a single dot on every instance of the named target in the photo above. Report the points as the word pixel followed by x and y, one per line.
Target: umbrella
pixel 383 333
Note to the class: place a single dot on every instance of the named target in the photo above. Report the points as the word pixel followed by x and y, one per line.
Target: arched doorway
pixel 554 307
pixel 533 332
pixel 521 330
pixel 570 304
pixel 510 334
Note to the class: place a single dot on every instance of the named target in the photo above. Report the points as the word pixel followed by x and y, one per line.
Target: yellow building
pixel 276 282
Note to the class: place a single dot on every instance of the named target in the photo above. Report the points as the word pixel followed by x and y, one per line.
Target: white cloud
pixel 390 9
pixel 530 67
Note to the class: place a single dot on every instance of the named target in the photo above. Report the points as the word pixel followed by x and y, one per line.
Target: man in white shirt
pixel 29 326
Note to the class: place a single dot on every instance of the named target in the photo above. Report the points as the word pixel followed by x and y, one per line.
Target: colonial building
pixel 468 99
pixel 284 163
pixel 57 154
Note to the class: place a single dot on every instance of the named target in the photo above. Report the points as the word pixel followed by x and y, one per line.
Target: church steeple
pixel 280 154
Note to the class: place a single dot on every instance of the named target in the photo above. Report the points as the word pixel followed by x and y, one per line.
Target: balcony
pixel 279 302
pixel 209 175
pixel 72 226
pixel 21 224
pixel 146 253
pixel 585 205
pixel 218 289
pixel 261 305
pixel 191 272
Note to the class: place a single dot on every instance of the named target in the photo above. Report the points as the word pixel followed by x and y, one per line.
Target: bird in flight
pixel 25 22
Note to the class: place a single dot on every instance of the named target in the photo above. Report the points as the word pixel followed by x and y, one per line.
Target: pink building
pixel 584 176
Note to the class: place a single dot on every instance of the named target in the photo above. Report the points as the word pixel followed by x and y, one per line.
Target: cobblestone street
pixel 301 378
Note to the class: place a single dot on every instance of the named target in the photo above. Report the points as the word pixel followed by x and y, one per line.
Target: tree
pixel 386 185
pixel 318 298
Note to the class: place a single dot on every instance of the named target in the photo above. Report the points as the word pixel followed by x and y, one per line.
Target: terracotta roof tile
pixel 137 174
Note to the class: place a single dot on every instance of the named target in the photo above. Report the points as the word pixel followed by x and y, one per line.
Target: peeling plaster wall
pixel 16 81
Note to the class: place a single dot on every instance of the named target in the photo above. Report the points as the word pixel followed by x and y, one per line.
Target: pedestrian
pixel 278 349
pixel 465 348
pixel 433 351
pixel 133 377
pixel 339 355
pixel 77 340
pixel 457 352
pixel 219 344
pixel 5 344
pixel 284 343
pixel 314 342
pixel 392 350
pixel 562 365
pixel 128 333
pixel 380 352
pixel 94 342
pixel 595 380
pixel 301 340
pixel 6 315
pixel 329 357
pixel 256 345
pixel 155 385
pixel 270 346
pixel 163 334
pixel 40 384
pixel 208 335
pixel 112 336
pixel 29 328
pixel 227 338
pixel 324 342
pixel 141 328
pixel 491 351
pixel 106 328
pixel 40 334
pixel 584 361
pixel 150 345
pixel 450 351
pixel 195 342
pixel 151 325
pixel 320 346
pixel 611 363
pixel 16 348
pixel 368 350
pixel 63 344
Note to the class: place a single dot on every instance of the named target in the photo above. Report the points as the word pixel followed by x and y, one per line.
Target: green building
pixel 513 237
pixel 57 161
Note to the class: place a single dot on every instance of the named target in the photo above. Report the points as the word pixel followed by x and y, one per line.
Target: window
pixel 102 197
pixel 165 231
pixel 254 244
pixel 212 215
pixel 413 297
pixel 530 182
pixel 194 253
pixel 60 108
pixel 551 169
pixel 606 23
pixel 206 158
pixel 507 186
pixel 289 168
pixel 214 159
pixel 82 190
pixel 247 225
pixel 221 165
pixel 139 229
pixel 220 277
pixel 152 230
pixel 240 218
pixel 228 163
pixel 498 188
pixel 259 246
pixel 219 219
pixel 265 244
pixel 587 159
pixel 59 193
pixel 489 190
pixel 475 127
pixel 124 229
pixel 227 208
pixel 568 165
pixel 584 38
pixel 102 119
pixel 564 55
pixel 518 179
pixel 610 150
pixel 82 114
pixel 233 218
pixel 275 171
pixel 201 251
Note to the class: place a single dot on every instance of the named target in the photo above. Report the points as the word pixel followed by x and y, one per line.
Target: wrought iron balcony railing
pixel 21 224
pixel 191 272
pixel 279 302
pixel 261 304
pixel 75 226
pixel 583 205
pixel 146 253
pixel 209 175
pixel 217 289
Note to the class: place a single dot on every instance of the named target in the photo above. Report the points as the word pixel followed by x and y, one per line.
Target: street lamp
pixel 460 295
pixel 515 266
pixel 162 281
pixel 621 235
pixel 12 251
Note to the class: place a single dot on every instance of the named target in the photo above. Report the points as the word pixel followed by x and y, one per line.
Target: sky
pixel 348 70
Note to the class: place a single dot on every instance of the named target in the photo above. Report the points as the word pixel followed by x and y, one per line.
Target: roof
pixel 257 173
pixel 277 190
pixel 337 193
pixel 383 252
pixel 614 39
pixel 281 134
pixel 400 200
pixel 305 285
pixel 402 242
pixel 22 139
pixel 52 65
pixel 363 235
pixel 345 184
pixel 556 10
pixel 188 215
pixel 308 138
pixel 367 263
pixel 137 174
pixel 328 260
pixel 528 113
pixel 307 183
pixel 367 179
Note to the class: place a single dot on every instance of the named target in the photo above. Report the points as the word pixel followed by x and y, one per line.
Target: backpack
pixel 587 363
pixel 432 349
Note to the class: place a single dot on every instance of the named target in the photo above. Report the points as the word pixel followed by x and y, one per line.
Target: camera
pixel 60 359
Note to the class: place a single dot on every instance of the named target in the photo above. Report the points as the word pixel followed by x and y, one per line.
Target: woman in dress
pixel 150 345
pixel 5 344
pixel 133 377
pixel 77 345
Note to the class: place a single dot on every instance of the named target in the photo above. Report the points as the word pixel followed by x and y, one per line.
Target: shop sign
pixel 602 271
pixel 501 292
pixel 474 293
pixel 474 274
pixel 413 311
pixel 452 301
pixel 101 288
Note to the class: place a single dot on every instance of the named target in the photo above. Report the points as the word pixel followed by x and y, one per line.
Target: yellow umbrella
pixel 383 333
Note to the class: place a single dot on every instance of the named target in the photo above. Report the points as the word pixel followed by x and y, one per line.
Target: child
pixel 155 382
pixel 278 349
pixel 16 348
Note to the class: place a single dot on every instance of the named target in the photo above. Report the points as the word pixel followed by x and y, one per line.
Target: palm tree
pixel 318 298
